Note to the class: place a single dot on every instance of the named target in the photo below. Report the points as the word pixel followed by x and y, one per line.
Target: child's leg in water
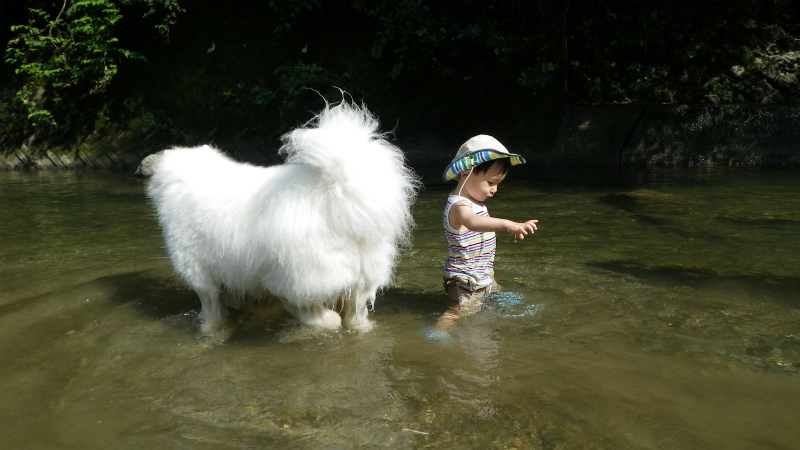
pixel 462 302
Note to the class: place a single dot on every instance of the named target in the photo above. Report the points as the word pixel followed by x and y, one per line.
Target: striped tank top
pixel 470 253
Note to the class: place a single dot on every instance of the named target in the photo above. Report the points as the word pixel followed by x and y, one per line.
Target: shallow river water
pixel 654 309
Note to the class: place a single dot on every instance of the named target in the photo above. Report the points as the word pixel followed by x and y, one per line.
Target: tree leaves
pixel 63 58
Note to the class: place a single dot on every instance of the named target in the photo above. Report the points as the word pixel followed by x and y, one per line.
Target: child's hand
pixel 520 230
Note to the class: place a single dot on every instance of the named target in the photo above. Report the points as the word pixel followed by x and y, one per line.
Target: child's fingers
pixel 527 227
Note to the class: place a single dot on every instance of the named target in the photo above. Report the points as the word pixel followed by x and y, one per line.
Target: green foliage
pixel 671 52
pixel 537 77
pixel 167 9
pixel 421 36
pixel 405 26
pixel 292 80
pixel 418 59
pixel 66 57
pixel 76 49
pixel 291 12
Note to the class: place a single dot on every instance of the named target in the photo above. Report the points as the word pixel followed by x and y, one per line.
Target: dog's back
pixel 203 198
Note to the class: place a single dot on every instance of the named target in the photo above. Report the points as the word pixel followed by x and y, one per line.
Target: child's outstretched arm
pixel 462 215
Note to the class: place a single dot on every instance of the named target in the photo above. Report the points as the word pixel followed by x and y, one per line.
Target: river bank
pixel 668 135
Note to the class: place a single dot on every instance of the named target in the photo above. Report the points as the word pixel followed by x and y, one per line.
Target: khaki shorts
pixel 465 298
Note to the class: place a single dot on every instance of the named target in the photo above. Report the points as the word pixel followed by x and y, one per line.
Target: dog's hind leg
pixel 355 312
pixel 314 315
pixel 212 311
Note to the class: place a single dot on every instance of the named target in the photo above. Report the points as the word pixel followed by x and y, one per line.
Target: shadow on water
pixel 635 204
pixel 760 223
pixel 165 299
pixel 399 300
pixel 624 202
pixel 152 296
pixel 776 288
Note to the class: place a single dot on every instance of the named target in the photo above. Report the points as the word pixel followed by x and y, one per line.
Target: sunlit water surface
pixel 655 308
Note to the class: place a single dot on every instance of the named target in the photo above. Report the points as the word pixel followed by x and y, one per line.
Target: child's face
pixel 481 186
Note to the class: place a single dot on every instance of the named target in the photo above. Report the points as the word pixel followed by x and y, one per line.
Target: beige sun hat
pixel 477 150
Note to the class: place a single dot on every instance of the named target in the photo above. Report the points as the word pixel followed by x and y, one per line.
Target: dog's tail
pixel 368 187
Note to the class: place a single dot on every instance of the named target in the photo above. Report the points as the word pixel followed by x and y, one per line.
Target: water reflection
pixel 655 308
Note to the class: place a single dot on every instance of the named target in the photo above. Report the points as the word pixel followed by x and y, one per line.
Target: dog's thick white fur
pixel 320 232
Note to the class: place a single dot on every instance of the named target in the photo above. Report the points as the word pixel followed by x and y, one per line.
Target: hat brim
pixel 475 159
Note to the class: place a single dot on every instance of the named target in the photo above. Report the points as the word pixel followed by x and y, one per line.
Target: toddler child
pixel 480 166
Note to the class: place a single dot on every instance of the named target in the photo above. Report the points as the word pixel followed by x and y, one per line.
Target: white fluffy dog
pixel 320 232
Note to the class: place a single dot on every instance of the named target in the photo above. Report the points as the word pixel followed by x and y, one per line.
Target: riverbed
pixel 654 308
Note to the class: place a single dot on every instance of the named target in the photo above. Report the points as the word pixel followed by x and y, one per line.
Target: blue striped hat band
pixel 475 151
